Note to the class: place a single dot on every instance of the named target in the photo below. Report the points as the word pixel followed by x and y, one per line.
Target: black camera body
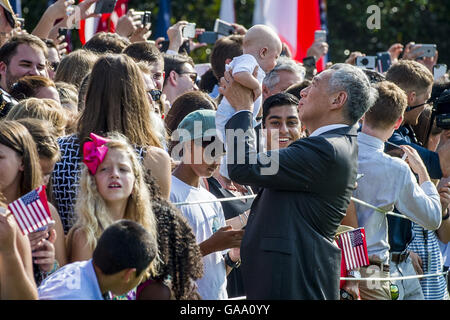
pixel 5 106
pixel 441 110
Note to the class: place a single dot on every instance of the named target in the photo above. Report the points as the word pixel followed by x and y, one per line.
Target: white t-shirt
pixel 242 63
pixel 205 219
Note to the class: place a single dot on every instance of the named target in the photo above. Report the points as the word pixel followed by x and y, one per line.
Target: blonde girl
pixel 112 187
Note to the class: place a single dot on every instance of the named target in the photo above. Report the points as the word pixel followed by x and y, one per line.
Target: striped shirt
pixel 425 244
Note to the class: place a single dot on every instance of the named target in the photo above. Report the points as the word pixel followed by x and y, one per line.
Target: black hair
pixel 175 62
pixel 106 42
pixel 123 245
pixel 276 100
pixel 144 51
pixel 182 261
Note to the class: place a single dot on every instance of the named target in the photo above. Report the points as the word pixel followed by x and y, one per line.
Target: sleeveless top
pixel 66 176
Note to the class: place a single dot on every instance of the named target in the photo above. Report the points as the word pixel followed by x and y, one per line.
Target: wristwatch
pixel 230 262
pixel 354 274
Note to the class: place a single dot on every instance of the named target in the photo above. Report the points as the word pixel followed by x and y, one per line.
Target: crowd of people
pixel 136 145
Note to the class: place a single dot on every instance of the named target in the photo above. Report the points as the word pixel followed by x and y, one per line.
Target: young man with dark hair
pixel 149 53
pixel 180 76
pixel 389 182
pixel 119 263
pixel 22 55
pixel 280 120
pixel 106 42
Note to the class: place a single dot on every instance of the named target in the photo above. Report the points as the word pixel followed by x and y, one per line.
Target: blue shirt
pixel 75 281
pixel 389 182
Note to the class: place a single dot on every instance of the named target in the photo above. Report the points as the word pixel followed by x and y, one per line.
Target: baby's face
pixel 269 59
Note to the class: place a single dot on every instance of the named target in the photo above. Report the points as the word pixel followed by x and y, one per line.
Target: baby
pixel 261 48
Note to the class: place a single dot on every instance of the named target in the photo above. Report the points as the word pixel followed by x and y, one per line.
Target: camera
pixel 368 62
pixel 156 94
pixel 208 37
pixel 146 18
pixel 428 50
pixel 189 31
pixel 223 28
pixel 320 36
pixel 6 104
pixel 441 110
pixel 105 6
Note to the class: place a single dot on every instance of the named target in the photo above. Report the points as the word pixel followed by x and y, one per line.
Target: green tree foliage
pixel 402 21
pixel 421 21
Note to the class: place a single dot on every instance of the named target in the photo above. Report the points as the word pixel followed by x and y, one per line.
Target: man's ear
pixel 398 123
pixel 338 99
pixel 411 97
pixel 173 78
pixel 3 67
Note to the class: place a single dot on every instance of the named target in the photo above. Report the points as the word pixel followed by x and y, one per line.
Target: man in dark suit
pixel 288 251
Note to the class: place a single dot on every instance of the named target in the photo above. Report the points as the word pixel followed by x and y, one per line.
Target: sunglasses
pixel 418 106
pixel 53 66
pixel 192 75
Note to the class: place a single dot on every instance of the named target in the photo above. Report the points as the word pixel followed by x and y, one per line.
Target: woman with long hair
pixel 116 101
pixel 21 173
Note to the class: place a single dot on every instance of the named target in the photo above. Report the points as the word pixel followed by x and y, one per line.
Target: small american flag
pixel 31 211
pixel 354 248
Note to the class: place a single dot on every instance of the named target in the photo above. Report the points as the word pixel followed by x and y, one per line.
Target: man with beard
pixel 22 55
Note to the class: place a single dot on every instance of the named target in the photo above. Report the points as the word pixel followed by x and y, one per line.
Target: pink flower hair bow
pixel 94 152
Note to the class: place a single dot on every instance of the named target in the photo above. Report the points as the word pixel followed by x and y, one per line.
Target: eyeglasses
pixel 53 66
pixel 192 75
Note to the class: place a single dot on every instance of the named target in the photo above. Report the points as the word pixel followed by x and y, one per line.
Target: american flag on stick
pixel 31 211
pixel 354 248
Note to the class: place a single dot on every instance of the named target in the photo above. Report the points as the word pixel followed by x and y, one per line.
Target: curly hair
pixel 180 254
pixel 93 217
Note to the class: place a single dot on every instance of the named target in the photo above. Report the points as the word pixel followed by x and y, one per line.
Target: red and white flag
pixel 31 211
pixel 354 248
pixel 295 22
pixel 107 22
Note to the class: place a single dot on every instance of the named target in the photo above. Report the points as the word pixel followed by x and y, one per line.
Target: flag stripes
pixel 31 211
pixel 354 248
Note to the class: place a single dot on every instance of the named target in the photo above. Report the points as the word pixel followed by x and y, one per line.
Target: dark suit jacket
pixel 287 251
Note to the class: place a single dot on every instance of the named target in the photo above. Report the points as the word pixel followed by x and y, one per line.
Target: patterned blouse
pixel 65 178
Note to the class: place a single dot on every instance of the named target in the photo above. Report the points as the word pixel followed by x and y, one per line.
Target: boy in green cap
pixel 201 154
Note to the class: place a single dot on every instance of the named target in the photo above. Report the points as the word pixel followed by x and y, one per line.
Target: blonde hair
pixel 90 208
pixel 43 109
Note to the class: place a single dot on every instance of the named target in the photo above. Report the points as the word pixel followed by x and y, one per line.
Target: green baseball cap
pixel 199 124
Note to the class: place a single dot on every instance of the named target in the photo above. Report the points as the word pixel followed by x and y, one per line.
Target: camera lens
pixel 365 61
